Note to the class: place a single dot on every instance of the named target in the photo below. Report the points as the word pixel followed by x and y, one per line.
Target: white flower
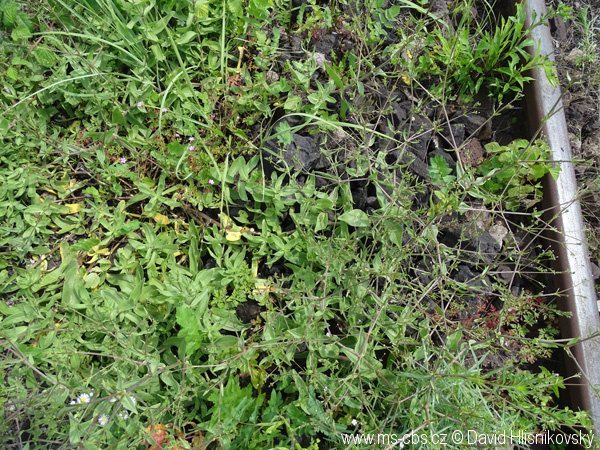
pixel 103 420
pixel 123 415
pixel 328 334
pixel 132 399
pixel 73 402
pixel 84 398
pixel 112 400
pixel 325 389
pixel 354 422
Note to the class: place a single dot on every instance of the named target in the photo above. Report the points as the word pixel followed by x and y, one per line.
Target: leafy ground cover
pixel 266 225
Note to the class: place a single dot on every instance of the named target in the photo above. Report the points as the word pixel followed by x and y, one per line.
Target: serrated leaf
pixel 438 170
pixel 21 32
pixel 355 218
pixel 202 10
pixel 10 13
pixel 175 148
pixel 235 6
pixel 45 57
pixel 12 72
pixel 284 133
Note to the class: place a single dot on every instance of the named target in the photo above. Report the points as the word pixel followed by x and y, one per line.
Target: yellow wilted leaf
pixel 408 54
pixel 202 10
pixel 262 286
pixel 73 208
pixel 406 79
pixel 233 236
pixel 180 224
pixel 161 220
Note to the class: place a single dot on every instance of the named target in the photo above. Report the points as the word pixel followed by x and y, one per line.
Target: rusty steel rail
pixel 575 281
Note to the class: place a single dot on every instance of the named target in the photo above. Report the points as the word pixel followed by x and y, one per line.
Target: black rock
pixel 301 154
pixel 326 44
pixel 464 274
pixel 454 135
pixel 247 311
pixel 418 131
pixel 475 125
pixel 487 247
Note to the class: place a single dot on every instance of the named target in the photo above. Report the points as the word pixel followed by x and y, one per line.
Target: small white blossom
pixel 132 399
pixel 354 422
pixel 72 402
pixel 103 420
pixel 123 415
pixel 84 398
pixel 325 389
pixel 112 400
pixel 328 334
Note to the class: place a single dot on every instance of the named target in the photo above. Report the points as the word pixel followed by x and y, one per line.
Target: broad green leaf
pixel 235 7
pixel 158 53
pixel 355 218
pixel 85 244
pixel 292 103
pixel 186 37
pixel 322 220
pixel 453 340
pixel 129 227
pixel 118 117
pixel 91 281
pixel 334 76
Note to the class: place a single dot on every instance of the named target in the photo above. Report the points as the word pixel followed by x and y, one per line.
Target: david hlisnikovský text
pixel 522 437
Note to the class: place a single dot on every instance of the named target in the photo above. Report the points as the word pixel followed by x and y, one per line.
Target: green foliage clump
pixel 132 317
